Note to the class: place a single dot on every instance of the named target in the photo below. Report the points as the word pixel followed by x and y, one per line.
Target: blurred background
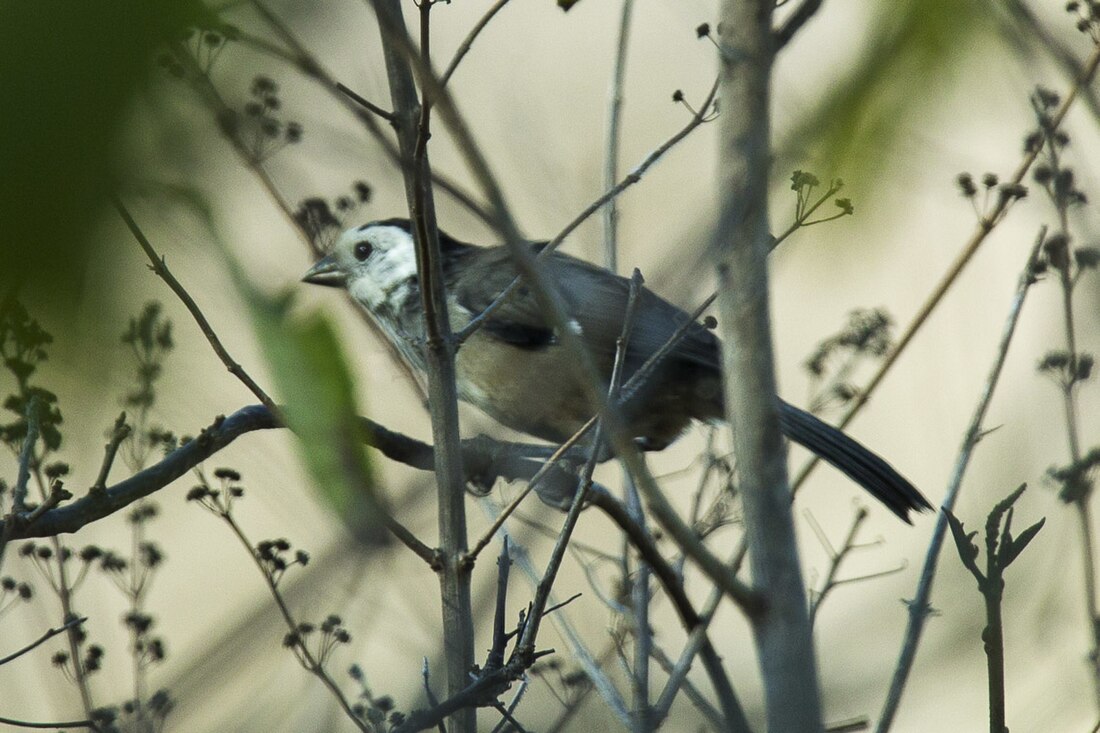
pixel 896 99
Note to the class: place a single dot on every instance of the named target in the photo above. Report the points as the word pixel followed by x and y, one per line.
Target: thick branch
pixel 782 632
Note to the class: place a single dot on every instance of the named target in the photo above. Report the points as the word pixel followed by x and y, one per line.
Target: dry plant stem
pixel 920 606
pixel 614 130
pixel 49 634
pixel 468 42
pixel 836 557
pixel 742 239
pixel 638 582
pixel 312 665
pixel 158 265
pixel 412 134
pixel 1069 402
pixel 55 726
pixel 985 226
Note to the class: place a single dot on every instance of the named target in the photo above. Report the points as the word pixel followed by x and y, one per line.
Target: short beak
pixel 326 272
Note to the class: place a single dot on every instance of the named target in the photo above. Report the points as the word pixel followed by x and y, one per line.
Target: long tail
pixel 864 467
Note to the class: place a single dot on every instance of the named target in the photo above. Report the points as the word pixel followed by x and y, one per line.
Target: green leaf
pixel 311 374
pixel 964 542
pixel 1012 548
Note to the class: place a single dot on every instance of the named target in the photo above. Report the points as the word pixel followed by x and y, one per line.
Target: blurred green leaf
pixel 913 51
pixel 67 73
pixel 310 372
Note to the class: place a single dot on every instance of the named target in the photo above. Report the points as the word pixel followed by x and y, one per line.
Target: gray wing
pixel 595 298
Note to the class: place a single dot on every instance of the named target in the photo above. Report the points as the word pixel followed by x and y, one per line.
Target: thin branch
pixel 26 456
pixel 49 634
pixel 311 663
pixel 920 606
pixel 526 644
pixel 794 22
pixel 160 267
pixel 532 484
pixel 464 47
pixel 702 705
pixel 836 557
pixel 614 131
pixel 68 724
pixel 119 433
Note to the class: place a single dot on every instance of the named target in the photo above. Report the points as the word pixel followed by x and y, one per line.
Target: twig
pixel 526 644
pixel 507 718
pixel 464 47
pixel 920 606
pixel 693 621
pixel 160 267
pixel 49 634
pixel 498 522
pixel 614 130
pixel 68 724
pixel 1001 549
pixel 500 638
pixel 120 432
pixel 795 21
pixel 26 455
pixel 702 705
pixel 57 495
pixel 836 557
pixel 311 664
pixel 412 136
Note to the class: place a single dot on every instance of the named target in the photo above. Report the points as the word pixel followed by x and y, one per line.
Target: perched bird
pixel 515 369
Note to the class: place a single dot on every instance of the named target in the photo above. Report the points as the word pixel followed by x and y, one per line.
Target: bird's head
pixel 376 262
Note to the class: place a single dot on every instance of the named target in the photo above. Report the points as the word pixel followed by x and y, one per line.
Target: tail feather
pixel 864 467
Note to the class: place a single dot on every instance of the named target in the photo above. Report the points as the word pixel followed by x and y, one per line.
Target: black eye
pixel 362 251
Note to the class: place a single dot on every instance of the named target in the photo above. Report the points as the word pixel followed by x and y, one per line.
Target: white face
pixel 378 260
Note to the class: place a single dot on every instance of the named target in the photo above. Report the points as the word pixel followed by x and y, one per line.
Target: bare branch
pixel 920 606
pixel 464 47
pixel 55 726
pixel 49 634
pixel 26 456
pixel 119 433
pixel 160 267
pixel 794 22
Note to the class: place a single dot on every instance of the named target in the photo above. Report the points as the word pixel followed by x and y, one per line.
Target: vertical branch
pixel 639 583
pixel 920 607
pixel 411 121
pixel 614 129
pixel 782 631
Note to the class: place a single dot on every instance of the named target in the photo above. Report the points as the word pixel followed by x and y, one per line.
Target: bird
pixel 516 369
